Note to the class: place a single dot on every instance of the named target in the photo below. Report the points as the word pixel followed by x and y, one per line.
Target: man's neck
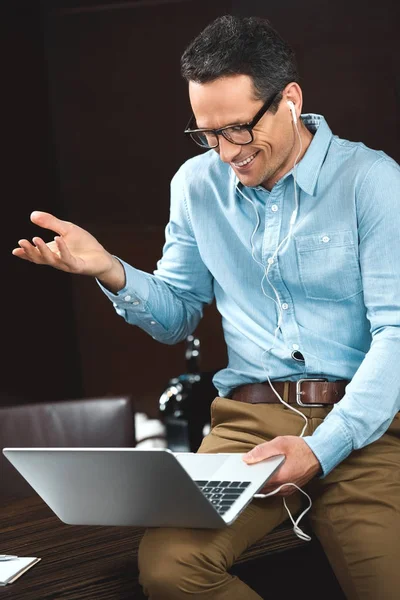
pixel 306 138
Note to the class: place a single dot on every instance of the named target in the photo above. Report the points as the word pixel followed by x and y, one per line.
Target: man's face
pixel 231 101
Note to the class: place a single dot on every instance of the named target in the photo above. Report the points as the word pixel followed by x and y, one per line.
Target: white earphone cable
pixel 297 530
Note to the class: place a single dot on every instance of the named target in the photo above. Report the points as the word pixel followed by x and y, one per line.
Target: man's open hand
pixel 73 249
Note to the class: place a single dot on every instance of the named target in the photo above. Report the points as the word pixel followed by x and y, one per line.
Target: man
pixel 296 234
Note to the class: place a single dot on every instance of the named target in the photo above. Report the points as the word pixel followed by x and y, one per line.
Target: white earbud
pixel 292 110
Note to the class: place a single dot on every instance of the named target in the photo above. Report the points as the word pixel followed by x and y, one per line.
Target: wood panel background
pixel 39 339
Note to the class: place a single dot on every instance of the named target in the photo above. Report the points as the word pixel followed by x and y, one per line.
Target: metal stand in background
pixel 185 403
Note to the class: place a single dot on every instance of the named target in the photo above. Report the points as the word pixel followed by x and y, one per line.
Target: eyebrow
pixel 233 124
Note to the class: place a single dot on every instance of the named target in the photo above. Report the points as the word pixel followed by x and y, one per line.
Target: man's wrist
pixel 114 279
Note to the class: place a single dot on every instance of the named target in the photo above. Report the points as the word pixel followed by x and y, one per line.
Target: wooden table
pixel 100 563
pixel 78 562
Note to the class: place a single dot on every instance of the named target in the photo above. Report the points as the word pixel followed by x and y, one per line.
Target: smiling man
pixel 295 233
pixel 263 150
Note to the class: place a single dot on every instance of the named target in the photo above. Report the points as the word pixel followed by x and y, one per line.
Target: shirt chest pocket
pixel 328 266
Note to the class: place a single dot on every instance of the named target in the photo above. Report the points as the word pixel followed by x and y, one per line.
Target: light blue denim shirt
pixel 337 279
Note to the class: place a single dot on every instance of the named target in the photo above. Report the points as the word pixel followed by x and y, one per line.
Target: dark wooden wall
pixel 39 339
pixel 89 86
pixel 349 62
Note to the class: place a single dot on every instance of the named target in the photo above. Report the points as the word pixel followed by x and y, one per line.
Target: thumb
pixel 48 221
pixel 260 452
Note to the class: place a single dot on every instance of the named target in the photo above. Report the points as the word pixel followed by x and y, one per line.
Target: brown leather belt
pixel 304 392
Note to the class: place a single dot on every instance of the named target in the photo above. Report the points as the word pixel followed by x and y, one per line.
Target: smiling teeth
pixel 245 162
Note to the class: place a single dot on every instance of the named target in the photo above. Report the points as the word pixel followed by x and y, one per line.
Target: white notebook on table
pixel 10 570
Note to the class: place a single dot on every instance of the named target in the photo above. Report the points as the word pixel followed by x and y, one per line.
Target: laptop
pixel 145 488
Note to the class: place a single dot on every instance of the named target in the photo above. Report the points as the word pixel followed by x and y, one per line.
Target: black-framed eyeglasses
pixel 240 134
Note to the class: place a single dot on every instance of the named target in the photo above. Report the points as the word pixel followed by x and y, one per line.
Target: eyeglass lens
pixel 236 135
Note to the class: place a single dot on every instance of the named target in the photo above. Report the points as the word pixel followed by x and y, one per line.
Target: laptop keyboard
pixel 222 494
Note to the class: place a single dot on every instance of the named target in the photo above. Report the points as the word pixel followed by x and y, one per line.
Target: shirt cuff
pixel 331 443
pixel 136 288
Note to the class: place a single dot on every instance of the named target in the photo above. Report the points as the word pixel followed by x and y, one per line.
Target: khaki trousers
pixel 355 515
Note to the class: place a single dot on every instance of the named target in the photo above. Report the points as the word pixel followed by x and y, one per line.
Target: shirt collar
pixel 309 167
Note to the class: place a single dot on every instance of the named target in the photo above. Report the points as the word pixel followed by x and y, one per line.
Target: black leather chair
pixel 93 422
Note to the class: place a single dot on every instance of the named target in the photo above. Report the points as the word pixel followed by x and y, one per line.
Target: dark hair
pixel 241 46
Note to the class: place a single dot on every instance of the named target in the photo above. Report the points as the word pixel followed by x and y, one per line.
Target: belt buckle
pixel 299 393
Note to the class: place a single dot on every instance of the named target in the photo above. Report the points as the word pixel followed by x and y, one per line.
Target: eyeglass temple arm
pixel 189 125
pixel 263 110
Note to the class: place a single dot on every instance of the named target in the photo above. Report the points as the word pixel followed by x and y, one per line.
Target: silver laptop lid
pixel 129 486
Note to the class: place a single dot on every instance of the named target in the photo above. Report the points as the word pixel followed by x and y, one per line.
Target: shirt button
pixel 326 239
pixel 295 346
pixel 274 207
pixel 270 261
pixel 152 322
pixel 127 298
pixel 285 306
pixel 136 302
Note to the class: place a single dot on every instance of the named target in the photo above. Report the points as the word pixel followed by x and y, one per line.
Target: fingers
pixel 20 252
pixel 259 453
pixel 54 254
pixel 27 251
pixel 48 221
pixel 63 251
pixel 48 253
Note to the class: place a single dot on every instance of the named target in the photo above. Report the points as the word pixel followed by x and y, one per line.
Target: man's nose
pixel 227 151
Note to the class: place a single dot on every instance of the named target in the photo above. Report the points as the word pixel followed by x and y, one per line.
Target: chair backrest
pixel 92 422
